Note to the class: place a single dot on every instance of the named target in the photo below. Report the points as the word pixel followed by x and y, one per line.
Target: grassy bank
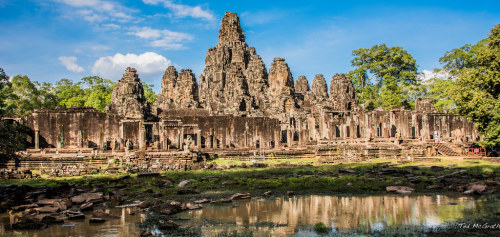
pixel 304 176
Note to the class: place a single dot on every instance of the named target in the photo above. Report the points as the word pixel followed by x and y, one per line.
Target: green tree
pixel 24 96
pixel 12 139
pixel 463 57
pixel 91 91
pixel 477 88
pixel 149 93
pixel 440 89
pixel 98 92
pixel 392 69
pixel 47 94
pixel 4 90
pixel 69 94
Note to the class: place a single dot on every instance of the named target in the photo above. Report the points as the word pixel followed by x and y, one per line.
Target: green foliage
pixel 12 139
pixel 69 93
pixel 4 89
pixel 24 95
pixel 440 90
pixel 149 93
pixel 21 96
pixel 477 88
pixel 463 57
pixel 97 92
pixel 393 69
pixel 320 228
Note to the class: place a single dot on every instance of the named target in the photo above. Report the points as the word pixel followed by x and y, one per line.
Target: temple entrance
pixel 284 136
pixel 393 131
pixel 149 134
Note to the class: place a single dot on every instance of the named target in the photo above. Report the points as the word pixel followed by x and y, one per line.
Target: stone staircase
pixel 444 150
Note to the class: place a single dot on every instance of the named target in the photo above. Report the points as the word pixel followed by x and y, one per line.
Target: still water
pixel 296 215
pixel 122 225
pixel 290 216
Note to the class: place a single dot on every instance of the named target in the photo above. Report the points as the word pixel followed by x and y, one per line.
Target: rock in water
pixel 399 189
pixel 238 196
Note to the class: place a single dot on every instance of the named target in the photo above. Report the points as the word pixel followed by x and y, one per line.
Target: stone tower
pixel 319 87
pixel 281 90
pixel 342 94
pixel 127 99
pixel 235 77
pixel 178 91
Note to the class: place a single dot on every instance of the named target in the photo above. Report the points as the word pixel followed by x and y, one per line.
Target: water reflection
pixel 285 215
pixel 123 225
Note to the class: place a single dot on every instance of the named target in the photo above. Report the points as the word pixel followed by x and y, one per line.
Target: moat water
pixel 294 216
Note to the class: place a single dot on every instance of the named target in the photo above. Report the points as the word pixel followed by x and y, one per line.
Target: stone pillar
pixel 289 137
pixel 37 139
pixel 211 138
pixel 162 136
pixel 181 139
pixel 122 139
pixel 198 138
pixel 277 139
pixel 102 144
pixel 245 138
pixel 142 136
pixel 228 138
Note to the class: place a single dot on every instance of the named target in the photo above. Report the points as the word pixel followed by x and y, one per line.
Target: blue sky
pixel 53 39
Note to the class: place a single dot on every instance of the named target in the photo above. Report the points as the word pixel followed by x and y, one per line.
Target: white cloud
pixel 181 10
pixel 70 64
pixel 111 26
pixel 426 75
pixel 112 67
pixel 99 10
pixel 162 38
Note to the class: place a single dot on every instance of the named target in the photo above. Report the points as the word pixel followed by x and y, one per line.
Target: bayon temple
pixel 238 107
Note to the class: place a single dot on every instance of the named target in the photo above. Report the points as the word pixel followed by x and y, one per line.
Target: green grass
pixel 302 179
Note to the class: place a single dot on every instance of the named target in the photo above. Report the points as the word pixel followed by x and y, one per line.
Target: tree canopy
pixel 381 75
pixel 20 95
pixel 477 85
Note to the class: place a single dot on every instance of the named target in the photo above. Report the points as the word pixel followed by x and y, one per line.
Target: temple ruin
pixel 238 107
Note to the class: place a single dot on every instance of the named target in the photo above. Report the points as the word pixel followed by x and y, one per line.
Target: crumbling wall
pixel 73 127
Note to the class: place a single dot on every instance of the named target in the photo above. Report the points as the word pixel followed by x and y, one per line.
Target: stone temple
pixel 239 107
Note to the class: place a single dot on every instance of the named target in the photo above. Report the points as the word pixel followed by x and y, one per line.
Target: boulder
pixel 238 196
pixel 47 209
pixel 48 201
pixel 86 206
pixel 183 183
pixel 191 206
pixel 24 207
pixel 204 200
pixel 399 189
pixel 476 188
pixel 268 193
pixel 87 197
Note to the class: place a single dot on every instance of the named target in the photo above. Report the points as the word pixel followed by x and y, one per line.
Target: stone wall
pixel 73 128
